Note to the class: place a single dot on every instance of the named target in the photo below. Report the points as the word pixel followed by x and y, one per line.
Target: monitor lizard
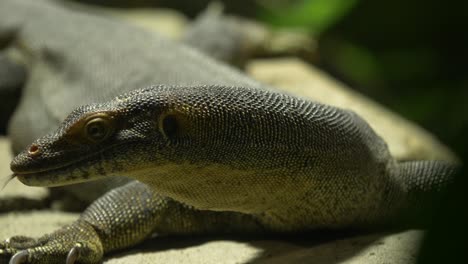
pixel 213 151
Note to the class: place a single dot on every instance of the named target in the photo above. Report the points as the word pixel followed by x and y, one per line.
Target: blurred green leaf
pixel 313 15
pixel 358 62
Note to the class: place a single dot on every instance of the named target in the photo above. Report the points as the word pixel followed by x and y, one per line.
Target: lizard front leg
pixel 123 217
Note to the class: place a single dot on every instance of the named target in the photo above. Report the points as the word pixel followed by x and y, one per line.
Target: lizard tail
pixel 424 183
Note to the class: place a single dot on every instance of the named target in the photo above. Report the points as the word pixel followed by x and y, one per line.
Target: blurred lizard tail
pixel 425 184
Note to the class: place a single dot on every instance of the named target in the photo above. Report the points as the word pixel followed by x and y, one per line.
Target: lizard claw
pixel 73 254
pixel 20 257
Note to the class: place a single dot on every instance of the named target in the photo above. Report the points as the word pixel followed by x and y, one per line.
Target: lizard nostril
pixel 34 150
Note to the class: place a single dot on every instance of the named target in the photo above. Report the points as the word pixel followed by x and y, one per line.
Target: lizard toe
pixel 12 250
pixel 20 242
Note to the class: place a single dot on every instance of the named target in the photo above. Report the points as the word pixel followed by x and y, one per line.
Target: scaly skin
pixel 275 162
pixel 216 159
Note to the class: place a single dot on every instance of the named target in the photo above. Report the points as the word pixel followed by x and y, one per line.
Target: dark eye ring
pixel 169 125
pixel 98 129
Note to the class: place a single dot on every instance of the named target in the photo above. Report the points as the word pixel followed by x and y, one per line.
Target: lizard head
pixel 97 140
pixel 157 129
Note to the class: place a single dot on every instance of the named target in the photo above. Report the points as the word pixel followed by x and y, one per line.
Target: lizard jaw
pixel 85 169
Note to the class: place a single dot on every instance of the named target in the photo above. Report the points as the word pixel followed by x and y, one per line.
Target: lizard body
pixel 213 151
pixel 175 140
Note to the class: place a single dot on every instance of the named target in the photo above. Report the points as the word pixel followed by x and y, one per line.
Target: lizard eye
pixel 98 129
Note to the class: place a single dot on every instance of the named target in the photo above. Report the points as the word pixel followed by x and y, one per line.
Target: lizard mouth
pixel 21 164
pixel 73 172
pixel 85 168
pixel 19 170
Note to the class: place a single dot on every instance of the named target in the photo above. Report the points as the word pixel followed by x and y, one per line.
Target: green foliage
pixel 313 15
pixel 356 61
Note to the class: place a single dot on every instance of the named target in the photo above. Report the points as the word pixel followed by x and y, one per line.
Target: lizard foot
pixel 77 243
